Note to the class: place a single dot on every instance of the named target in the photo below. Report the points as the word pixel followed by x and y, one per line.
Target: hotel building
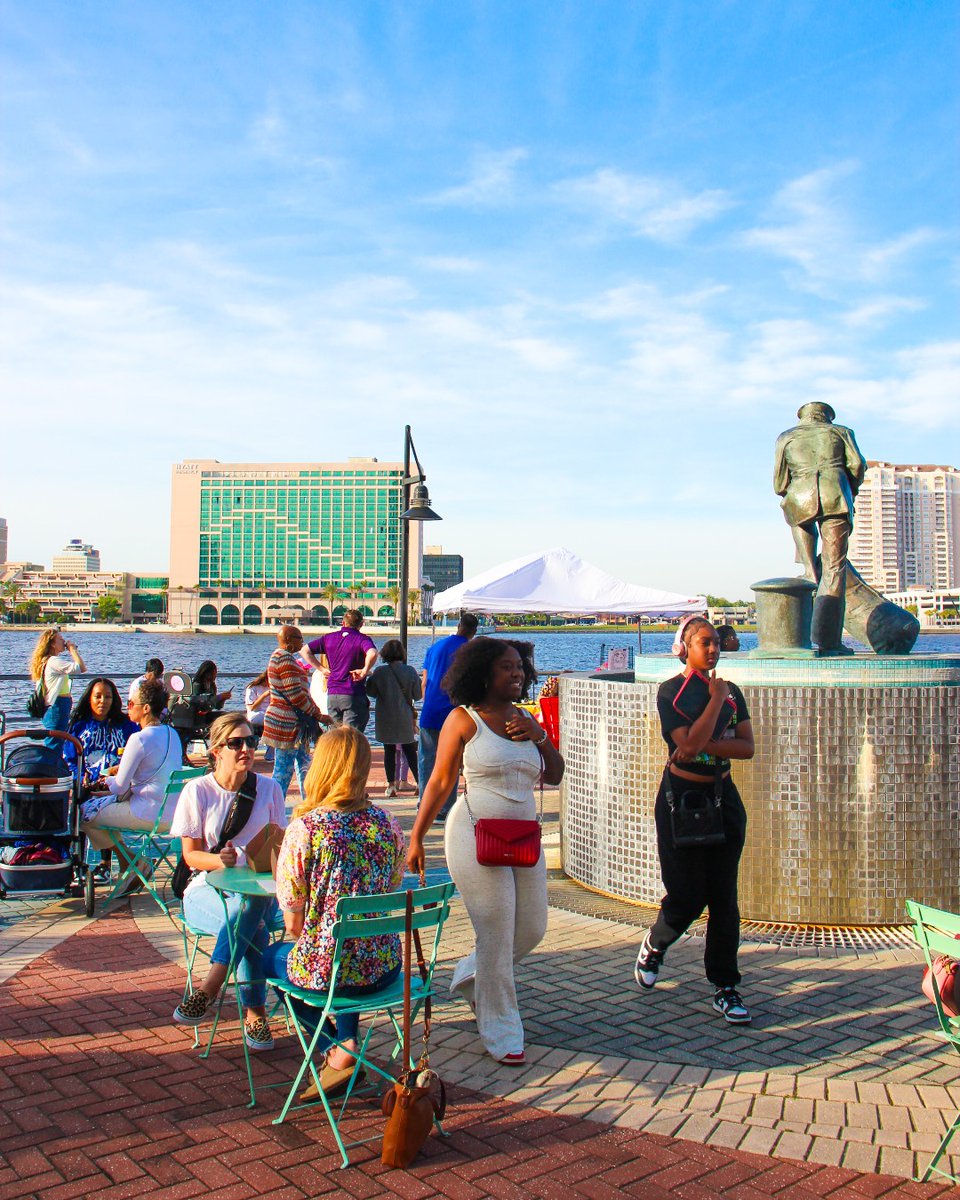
pixel 263 543
pixel 906 529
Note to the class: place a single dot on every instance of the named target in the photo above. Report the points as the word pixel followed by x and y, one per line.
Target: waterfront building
pixel 906 529
pixel 264 543
pixel 75 558
pixel 75 596
pixel 3 540
pixel 444 570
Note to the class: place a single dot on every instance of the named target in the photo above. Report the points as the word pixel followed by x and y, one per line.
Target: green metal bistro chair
pixel 193 949
pixel 936 932
pixel 151 846
pixel 361 917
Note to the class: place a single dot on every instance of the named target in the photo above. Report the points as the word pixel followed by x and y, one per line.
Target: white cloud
pixel 650 207
pixel 451 264
pixel 877 311
pixel 491 180
pixel 810 227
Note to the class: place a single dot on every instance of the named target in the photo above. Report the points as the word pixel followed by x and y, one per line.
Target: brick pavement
pixel 839 1077
pixel 102 1094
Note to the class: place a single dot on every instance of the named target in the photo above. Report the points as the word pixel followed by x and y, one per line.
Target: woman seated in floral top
pixel 337 844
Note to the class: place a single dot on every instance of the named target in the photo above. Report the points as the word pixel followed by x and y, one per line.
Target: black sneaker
pixel 648 965
pixel 727 1002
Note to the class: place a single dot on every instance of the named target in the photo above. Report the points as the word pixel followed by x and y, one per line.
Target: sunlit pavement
pixel 836 1089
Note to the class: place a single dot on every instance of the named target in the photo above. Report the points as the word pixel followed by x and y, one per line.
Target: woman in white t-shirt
pixel 47 665
pixel 202 811
pixel 130 795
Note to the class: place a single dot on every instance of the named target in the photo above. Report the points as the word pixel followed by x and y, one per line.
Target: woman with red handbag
pixel 492 836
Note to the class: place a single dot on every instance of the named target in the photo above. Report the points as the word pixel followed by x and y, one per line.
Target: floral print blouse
pixel 326 855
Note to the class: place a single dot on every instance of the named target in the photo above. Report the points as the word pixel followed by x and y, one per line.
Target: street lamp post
pixel 415 506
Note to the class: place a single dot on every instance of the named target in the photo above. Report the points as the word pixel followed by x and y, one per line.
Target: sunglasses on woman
pixel 237 743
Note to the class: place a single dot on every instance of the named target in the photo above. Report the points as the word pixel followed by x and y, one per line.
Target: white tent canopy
pixel 558 581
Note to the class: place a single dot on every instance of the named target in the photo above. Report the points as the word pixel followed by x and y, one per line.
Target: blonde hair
pixel 338 774
pixel 41 652
pixel 222 728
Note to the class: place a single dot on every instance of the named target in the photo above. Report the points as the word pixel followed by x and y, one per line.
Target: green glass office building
pixel 263 542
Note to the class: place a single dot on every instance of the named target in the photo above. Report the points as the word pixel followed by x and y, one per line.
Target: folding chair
pixel 153 844
pixel 360 917
pixel 936 933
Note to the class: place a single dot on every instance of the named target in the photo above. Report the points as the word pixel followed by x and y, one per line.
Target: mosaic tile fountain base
pixel 853 796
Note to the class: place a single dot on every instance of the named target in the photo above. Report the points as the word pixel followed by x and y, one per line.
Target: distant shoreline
pixel 387 631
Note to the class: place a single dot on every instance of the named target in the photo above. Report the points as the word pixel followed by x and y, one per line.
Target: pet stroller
pixel 42 851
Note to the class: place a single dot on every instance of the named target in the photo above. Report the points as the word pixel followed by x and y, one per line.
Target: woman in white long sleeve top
pixel 131 798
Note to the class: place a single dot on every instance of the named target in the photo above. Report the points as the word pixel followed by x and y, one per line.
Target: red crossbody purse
pixel 505 843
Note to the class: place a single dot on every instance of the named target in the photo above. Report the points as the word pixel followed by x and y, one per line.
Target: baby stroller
pixel 42 851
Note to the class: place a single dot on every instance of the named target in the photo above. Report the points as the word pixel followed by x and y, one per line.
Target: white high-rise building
pixel 906 529
pixel 76 557
pixel 3 539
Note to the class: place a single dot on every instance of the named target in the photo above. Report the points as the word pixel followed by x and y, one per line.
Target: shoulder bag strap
pixel 407 965
pixel 239 812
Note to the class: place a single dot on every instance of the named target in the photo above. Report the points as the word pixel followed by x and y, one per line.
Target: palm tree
pixel 331 593
pixel 413 599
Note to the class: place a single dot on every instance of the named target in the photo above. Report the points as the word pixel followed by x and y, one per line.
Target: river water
pixel 240 657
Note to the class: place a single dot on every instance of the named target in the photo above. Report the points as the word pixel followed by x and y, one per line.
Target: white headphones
pixel 679 647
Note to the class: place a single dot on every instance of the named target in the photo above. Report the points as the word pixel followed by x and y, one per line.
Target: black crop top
pixel 704 764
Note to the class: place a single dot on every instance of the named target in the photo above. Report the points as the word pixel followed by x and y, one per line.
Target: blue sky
pixel 595 253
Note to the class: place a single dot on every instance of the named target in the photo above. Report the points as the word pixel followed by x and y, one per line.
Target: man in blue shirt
pixel 436 703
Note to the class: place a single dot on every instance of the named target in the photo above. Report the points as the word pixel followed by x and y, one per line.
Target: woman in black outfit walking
pixel 705 723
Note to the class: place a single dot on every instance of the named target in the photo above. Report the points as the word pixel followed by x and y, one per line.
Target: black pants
pixel 699 877
pixel 390 760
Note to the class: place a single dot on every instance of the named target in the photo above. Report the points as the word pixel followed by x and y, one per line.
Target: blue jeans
pixel 57 717
pixel 347 1024
pixel 203 909
pixel 285 762
pixel 349 710
pixel 426 757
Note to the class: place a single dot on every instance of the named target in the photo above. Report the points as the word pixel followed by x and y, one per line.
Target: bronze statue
pixel 818 471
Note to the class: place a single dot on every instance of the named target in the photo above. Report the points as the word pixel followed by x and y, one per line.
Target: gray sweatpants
pixel 507 907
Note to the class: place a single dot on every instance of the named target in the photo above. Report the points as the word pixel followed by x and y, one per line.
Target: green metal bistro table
pixel 249 884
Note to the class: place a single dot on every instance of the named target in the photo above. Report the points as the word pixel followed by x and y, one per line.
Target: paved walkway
pixel 835 1089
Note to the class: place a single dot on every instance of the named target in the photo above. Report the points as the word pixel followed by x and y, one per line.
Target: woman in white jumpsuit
pixel 502 751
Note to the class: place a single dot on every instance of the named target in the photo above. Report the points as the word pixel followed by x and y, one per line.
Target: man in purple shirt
pixel 350 656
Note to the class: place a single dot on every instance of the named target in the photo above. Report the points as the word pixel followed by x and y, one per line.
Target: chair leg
pixel 932 1168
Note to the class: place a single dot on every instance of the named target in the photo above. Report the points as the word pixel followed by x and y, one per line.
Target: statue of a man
pixel 818 472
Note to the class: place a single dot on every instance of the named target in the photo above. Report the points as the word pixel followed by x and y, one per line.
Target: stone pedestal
pixel 784 617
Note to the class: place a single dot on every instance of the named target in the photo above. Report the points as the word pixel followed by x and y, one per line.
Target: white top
pixel 204 805
pixel 56 677
pixel 250 696
pixel 500 774
pixel 149 759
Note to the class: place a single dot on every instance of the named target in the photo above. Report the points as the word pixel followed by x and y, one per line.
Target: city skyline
pixel 595 257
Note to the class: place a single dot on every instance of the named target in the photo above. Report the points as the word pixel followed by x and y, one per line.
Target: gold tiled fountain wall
pixel 853 796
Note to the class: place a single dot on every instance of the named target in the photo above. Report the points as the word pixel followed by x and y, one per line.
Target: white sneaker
pixel 390 793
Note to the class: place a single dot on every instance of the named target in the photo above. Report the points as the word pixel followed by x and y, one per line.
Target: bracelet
pixel 540 741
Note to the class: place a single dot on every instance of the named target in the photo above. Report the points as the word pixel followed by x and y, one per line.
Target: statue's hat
pixel 831 415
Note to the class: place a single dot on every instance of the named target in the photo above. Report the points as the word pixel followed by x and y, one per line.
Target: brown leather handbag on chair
pixel 410 1105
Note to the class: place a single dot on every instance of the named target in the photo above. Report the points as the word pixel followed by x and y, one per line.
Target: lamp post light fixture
pixel 416 507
